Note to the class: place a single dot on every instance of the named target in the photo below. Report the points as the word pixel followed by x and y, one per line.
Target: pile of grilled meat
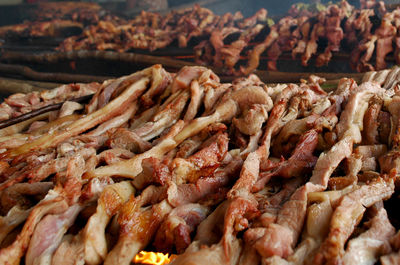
pixel 218 173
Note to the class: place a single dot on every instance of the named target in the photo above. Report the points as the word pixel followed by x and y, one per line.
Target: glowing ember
pixel 154 258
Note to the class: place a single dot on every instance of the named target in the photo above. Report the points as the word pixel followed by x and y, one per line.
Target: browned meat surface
pixel 216 173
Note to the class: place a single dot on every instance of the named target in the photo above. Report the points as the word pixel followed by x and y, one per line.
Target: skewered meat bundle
pixel 219 173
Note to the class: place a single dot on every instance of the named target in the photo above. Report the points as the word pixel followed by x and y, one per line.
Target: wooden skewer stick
pixel 40 111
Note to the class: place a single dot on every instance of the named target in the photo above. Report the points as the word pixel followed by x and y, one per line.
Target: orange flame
pixel 153 258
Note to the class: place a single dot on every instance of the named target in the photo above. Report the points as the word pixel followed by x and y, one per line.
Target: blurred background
pixel 16 11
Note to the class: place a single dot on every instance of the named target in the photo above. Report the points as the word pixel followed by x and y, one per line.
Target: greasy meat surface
pixel 234 173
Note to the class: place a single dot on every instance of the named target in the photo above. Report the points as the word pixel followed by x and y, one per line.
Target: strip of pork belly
pixel 269 206
pixel 381 76
pixel 394 109
pixel 280 238
pixel 370 132
pixel 71 248
pixel 203 162
pixel 277 112
pixel 69 252
pixel 198 254
pixel 138 227
pixel 14 217
pixel 248 176
pixel 227 250
pixel 68 108
pixel 185 76
pixel 351 119
pixel 252 143
pixel 123 138
pixel 317 31
pixel 370 155
pixel 16 140
pixel 132 167
pixel 114 155
pixel 301 160
pixel 196 96
pixel 23 125
pixel 194 192
pixel 255 53
pixel 391 78
pixel 93 236
pixel 144 117
pixel 192 144
pixel 154 172
pixel 354 164
pixel 112 109
pixel 116 121
pixel 252 119
pixel 390 259
pixel 348 131
pixel 241 206
pixel 316 227
pixel 391 159
pixel 328 161
pixel 57 165
pixel 386 32
pixel 347 215
pixel 212 95
pixel 51 204
pixel 226 110
pixel 55 125
pixel 164 119
pixel 395 241
pixel 48 234
pixel 208 235
pixel 160 80
pixel 292 129
pixel 175 230
pixel 342 93
pixel 110 87
pixel 370 245
pixel 17 194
